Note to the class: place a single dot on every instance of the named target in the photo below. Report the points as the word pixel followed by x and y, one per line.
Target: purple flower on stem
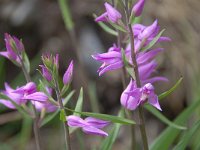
pixel 16 97
pixel 138 8
pixel 67 78
pixel 111 60
pixel 111 14
pixel 89 125
pixel 14 46
pixel 132 96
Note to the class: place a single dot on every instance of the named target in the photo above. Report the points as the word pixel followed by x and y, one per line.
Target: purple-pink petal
pixel 94 131
pixel 98 123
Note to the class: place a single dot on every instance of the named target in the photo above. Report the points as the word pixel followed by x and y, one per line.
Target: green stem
pixel 65 126
pixel 137 77
pixel 35 124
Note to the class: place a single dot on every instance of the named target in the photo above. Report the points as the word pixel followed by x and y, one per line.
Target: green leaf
pixel 167 137
pixel 79 103
pixel 106 28
pixel 109 141
pixel 118 27
pixel 111 118
pixel 160 116
pixel 64 6
pixel 51 116
pixel 62 115
pixel 153 42
pixel 187 136
pixel 165 94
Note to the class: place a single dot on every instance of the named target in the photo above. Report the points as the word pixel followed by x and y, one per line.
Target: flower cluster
pixel 21 95
pixel 118 57
pixel 89 125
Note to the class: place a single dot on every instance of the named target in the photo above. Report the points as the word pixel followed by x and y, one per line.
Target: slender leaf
pixel 109 141
pixel 187 137
pixel 64 6
pixel 107 29
pixel 79 103
pixel 118 27
pixel 160 116
pixel 167 137
pixel 153 42
pixel 111 118
pixel 165 94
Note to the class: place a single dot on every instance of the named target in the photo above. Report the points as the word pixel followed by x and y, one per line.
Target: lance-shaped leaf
pixel 153 42
pixel 165 94
pixel 79 103
pixel 64 6
pixel 78 108
pixel 118 27
pixel 106 117
pixel 160 116
pixel 187 136
pixel 169 135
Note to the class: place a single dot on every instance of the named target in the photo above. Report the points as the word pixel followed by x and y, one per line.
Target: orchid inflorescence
pixel 136 56
pixel 118 57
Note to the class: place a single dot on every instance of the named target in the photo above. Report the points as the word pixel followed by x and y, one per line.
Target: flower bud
pixel 14 47
pixel 67 78
pixel 138 7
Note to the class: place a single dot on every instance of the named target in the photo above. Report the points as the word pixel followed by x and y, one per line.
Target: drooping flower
pixel 14 47
pixel 111 14
pixel 67 78
pixel 89 125
pixel 132 96
pixel 111 60
pixel 138 8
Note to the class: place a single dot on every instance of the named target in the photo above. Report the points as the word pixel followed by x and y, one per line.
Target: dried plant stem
pixel 65 126
pixel 35 124
pixel 137 78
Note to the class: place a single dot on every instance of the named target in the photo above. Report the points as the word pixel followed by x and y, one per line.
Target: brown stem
pixel 137 77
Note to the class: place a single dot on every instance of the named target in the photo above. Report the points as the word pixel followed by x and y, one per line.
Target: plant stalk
pixel 65 126
pixel 35 124
pixel 137 77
